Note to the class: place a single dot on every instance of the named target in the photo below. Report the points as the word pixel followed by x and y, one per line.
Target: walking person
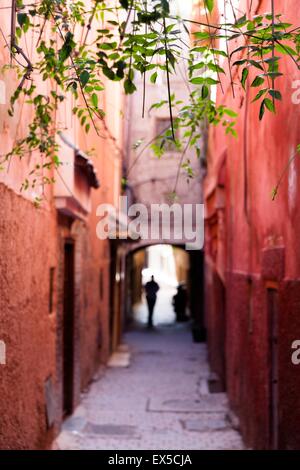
pixel 151 289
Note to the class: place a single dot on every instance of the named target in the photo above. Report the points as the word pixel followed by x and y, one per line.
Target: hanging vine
pixel 81 43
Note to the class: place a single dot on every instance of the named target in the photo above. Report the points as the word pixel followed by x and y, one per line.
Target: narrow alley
pixel 161 401
pixel 149 227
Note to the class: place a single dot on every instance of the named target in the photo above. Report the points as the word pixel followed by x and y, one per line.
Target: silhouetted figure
pixel 151 289
pixel 179 303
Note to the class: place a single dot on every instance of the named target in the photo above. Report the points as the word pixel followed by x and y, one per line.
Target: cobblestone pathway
pixel 161 401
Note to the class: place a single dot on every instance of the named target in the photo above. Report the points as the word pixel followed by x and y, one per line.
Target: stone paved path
pixel 161 401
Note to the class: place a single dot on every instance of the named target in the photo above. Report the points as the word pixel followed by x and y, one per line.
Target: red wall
pixel 31 242
pixel 261 250
pixel 28 250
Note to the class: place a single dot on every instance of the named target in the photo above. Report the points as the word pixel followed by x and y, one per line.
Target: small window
pixel 51 289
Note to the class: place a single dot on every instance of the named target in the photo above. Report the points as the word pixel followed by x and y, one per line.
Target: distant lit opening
pixel 170 268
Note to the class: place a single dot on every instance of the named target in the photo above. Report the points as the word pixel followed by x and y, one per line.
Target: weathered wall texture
pixel 28 250
pixel 32 249
pixel 252 249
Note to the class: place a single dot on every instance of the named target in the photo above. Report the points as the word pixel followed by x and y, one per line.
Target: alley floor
pixel 160 401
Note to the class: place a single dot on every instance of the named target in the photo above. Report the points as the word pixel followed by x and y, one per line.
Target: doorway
pixel 68 328
pixel 273 367
pixel 115 317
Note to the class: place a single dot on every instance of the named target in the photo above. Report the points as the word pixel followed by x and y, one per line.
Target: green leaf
pixel 67 47
pixel 124 4
pixel 204 92
pixel 262 110
pixel 107 46
pixel 103 31
pixel 201 49
pixel 256 64
pixel 218 52
pixel 211 81
pixel 95 100
pixel 240 62
pixel 202 35
pixel 22 19
pixel 121 66
pixel 158 105
pixel 209 4
pixel 230 112
pixel 197 81
pixel 204 80
pixel 269 105
pixel 245 74
pixel 273 74
pixel 114 56
pixel 153 77
pixel 239 49
pixel 84 77
pixel 215 68
pixel 284 49
pixel 108 73
pixel 129 86
pixel 198 66
pixel 260 94
pixel 275 94
pixel 259 80
pixel 241 21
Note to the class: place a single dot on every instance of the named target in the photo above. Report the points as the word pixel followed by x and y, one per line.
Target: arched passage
pixel 172 265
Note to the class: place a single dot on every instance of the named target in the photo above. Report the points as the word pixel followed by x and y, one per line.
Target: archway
pixel 171 265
